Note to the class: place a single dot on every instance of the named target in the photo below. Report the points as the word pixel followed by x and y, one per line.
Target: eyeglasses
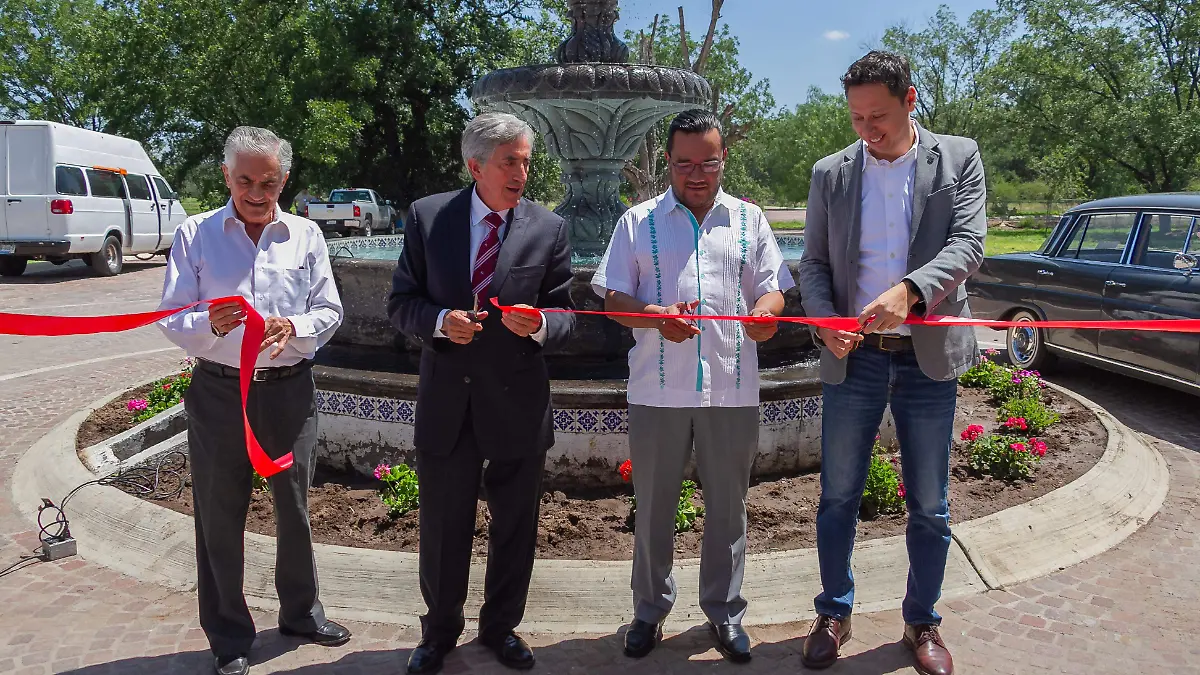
pixel 711 166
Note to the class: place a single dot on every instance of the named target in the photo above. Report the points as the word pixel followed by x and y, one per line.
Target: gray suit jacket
pixel 946 246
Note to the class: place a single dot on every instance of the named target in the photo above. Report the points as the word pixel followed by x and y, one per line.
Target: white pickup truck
pixel 352 210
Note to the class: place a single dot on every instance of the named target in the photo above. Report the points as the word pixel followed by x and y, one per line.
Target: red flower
pixel 1018 447
pixel 1016 423
pixel 166 387
pixel 626 470
pixel 1039 447
pixel 900 491
pixel 972 432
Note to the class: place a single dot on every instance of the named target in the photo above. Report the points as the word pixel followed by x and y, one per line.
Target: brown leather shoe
pixel 824 640
pixel 929 652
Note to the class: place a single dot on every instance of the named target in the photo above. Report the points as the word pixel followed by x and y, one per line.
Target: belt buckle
pixel 884 338
pixel 260 375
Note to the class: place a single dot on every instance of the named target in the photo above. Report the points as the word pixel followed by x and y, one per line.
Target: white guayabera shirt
pixel 659 254
pixel 286 275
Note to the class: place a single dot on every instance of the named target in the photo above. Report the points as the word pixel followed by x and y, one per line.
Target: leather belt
pixel 260 374
pixel 887 342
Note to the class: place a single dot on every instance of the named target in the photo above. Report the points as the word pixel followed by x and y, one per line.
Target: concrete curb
pixel 1082 519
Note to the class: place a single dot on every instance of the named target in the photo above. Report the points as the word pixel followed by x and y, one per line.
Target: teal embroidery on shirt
pixel 662 345
pixel 700 296
pixel 744 245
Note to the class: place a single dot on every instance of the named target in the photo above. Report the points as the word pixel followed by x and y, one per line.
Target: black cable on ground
pixel 20 564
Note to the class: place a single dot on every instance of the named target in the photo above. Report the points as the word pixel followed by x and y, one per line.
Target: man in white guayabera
pixel 693 250
pixel 277 262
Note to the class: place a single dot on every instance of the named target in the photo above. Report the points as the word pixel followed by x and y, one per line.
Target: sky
pixel 797 44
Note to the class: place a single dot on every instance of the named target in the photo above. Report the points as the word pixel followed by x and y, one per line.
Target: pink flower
pixel 137 404
pixel 972 432
pixel 900 491
pixel 1039 447
pixel 1017 447
pixel 382 470
pixel 992 352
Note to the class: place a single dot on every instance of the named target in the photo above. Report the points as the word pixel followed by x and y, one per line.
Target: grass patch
pixel 788 225
pixel 191 205
pixel 1014 241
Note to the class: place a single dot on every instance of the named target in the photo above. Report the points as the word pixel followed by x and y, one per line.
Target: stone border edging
pixel 1121 492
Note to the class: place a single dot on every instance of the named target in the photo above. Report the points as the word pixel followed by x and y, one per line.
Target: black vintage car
pixel 1120 258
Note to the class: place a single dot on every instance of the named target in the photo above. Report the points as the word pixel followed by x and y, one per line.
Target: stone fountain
pixel 593 109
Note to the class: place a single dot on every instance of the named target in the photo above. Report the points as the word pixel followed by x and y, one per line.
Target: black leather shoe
pixel 427 657
pixel 328 635
pixel 510 650
pixel 231 665
pixel 732 641
pixel 641 638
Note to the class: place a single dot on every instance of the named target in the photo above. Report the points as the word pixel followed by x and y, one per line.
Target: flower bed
pixel 986 476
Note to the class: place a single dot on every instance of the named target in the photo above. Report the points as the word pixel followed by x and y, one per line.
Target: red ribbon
pixel 252 337
pixel 852 324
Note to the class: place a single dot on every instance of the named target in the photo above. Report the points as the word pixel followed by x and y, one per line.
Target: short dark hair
pixel 879 67
pixel 695 122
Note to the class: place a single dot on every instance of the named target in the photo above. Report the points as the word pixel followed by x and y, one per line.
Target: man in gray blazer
pixel 895 225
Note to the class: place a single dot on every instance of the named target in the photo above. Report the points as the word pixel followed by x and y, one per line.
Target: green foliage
pixel 1018 384
pixel 985 374
pixel 257 482
pixel 687 512
pixel 165 394
pixel 1006 457
pixel 1038 417
pixel 884 492
pixel 399 491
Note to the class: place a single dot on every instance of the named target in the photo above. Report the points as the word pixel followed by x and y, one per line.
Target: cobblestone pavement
pixel 1132 609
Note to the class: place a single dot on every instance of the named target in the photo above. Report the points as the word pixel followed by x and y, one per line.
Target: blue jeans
pixel 852 412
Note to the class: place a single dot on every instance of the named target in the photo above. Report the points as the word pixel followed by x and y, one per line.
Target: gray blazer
pixel 946 247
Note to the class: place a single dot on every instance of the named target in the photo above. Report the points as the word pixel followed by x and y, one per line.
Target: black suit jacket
pixel 499 377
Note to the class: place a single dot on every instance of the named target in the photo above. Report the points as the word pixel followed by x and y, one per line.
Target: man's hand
pixel 760 331
pixel 839 342
pixel 889 310
pixel 277 332
pixel 522 323
pixel 458 326
pixel 225 316
pixel 678 330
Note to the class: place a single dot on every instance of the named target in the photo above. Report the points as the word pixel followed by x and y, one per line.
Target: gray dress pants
pixel 283 414
pixel 660 442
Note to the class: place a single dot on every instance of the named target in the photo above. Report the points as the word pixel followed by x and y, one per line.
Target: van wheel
pixel 108 261
pixel 366 228
pixel 12 266
pixel 1027 344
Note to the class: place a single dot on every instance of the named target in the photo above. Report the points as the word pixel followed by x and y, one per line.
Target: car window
pixel 1165 236
pixel 68 180
pixel 1101 237
pixel 138 188
pixel 106 184
pixel 164 190
pixel 347 196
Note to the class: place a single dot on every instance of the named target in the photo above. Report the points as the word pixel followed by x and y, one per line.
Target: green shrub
pixel 884 492
pixel 399 492
pixel 1032 410
pixel 1005 456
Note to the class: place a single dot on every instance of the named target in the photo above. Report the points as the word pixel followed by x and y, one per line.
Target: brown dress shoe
pixel 929 652
pixel 824 640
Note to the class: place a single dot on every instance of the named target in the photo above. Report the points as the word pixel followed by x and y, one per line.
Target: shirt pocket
pixel 287 290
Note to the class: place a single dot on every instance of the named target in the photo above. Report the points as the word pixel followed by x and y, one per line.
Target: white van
pixel 73 193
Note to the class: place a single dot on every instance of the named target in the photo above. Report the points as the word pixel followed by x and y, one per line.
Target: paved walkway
pixel 1131 609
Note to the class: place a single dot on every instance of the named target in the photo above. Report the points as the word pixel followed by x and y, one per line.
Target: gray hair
pixel 489 130
pixel 258 141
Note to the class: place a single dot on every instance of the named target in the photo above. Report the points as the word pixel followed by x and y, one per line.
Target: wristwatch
pixel 217 332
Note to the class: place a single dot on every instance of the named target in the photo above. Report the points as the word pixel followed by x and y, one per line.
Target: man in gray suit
pixel 895 225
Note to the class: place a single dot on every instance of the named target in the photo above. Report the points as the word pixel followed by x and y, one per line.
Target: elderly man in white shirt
pixel 693 250
pixel 279 263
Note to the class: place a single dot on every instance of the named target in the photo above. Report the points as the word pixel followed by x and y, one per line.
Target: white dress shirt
pixel 479 230
pixel 660 255
pixel 887 196
pixel 286 275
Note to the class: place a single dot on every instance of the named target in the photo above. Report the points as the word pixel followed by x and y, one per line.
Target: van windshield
pixel 347 196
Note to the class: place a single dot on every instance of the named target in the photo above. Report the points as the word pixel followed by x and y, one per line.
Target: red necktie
pixel 485 259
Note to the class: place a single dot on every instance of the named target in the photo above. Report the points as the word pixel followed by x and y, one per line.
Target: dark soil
pixel 110 419
pixel 782 511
